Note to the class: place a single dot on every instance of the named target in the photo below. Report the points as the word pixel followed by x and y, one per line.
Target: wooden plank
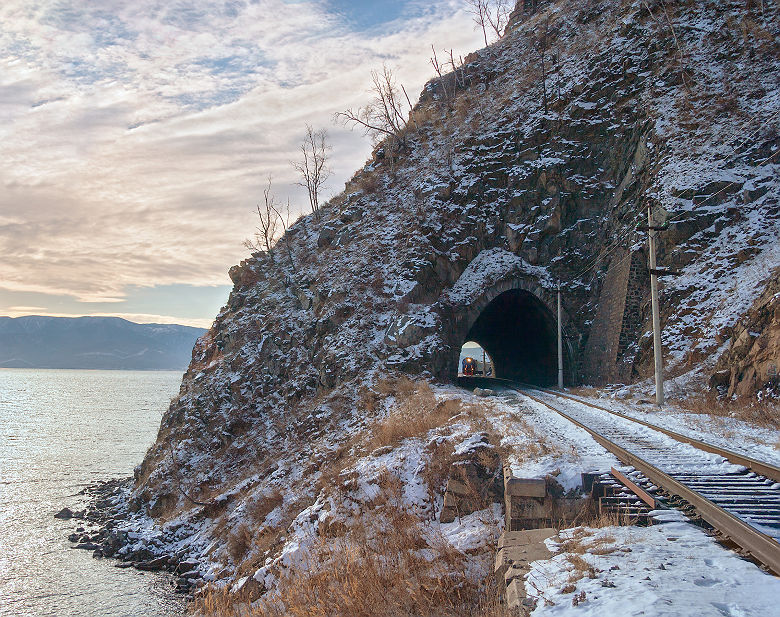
pixel 635 488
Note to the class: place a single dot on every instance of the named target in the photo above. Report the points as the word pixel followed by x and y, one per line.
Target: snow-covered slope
pixel 543 171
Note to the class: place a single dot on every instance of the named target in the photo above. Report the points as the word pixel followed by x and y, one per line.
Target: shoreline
pixel 108 528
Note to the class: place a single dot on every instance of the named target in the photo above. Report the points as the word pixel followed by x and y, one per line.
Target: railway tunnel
pixel 519 333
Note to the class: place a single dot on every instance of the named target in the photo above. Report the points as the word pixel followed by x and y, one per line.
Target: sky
pixel 136 137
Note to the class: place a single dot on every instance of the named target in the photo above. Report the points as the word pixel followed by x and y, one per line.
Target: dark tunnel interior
pixel 520 334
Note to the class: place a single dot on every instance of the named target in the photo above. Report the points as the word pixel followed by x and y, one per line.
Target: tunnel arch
pixel 514 321
pixel 520 334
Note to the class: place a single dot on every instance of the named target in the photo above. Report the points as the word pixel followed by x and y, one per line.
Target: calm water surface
pixel 59 431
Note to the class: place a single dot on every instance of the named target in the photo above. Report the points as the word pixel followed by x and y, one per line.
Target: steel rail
pixel 762 547
pixel 764 469
pixel 760 467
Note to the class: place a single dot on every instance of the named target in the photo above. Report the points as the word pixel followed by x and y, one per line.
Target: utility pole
pixel 659 364
pixel 560 342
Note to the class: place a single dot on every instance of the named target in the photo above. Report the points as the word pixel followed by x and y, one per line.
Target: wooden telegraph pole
pixel 560 342
pixel 659 364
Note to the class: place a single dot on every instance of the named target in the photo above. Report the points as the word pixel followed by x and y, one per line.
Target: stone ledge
pixel 516 551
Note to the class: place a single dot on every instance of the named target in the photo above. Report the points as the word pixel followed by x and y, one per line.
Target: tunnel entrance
pixel 474 361
pixel 520 334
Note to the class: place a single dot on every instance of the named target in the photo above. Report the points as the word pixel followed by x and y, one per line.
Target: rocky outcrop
pixel 524 177
pixel 752 361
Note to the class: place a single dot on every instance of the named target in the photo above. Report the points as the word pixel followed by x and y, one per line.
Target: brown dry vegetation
pixel 374 565
pixel 260 508
pixel 760 413
pixel 579 543
pixel 416 413
pixel 535 446
pixel 376 568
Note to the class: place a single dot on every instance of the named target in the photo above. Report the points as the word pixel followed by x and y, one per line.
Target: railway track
pixel 737 495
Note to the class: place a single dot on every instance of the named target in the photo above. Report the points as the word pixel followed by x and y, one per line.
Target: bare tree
pixel 479 9
pixel 387 114
pixel 440 68
pixel 443 69
pixel 313 166
pixel 458 67
pixel 285 220
pixel 265 234
pixel 490 15
pixel 542 45
pixel 498 16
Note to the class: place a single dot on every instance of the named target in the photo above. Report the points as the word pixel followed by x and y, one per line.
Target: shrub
pixel 418 412
pixel 764 413
pixel 381 567
pixel 239 542
pixel 260 508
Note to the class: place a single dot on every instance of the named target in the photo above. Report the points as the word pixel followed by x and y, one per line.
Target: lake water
pixel 59 431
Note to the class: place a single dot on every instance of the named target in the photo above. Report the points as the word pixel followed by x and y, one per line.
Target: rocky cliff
pixel 534 163
pixel 751 362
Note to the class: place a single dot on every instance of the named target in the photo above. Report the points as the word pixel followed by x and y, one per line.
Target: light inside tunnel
pixel 474 361
pixel 520 335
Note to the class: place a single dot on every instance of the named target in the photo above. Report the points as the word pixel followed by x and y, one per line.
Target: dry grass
pixel 367 182
pixel 417 413
pixel 260 508
pixel 239 542
pixel 583 391
pixel 377 564
pixel 535 446
pixel 581 542
pixel 762 413
pixel 378 568
pixel 437 470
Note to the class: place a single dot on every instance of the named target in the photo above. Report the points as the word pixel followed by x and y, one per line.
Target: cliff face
pixel 751 362
pixel 532 164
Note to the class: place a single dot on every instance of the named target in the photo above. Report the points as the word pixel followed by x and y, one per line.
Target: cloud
pixel 136 137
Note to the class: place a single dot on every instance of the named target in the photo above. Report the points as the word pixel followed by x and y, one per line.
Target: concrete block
pixel 515 594
pixel 526 537
pixel 516 551
pixel 525 487
pixel 530 507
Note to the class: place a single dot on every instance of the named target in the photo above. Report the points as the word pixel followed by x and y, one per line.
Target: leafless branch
pixel 498 16
pixel 386 115
pixel 265 234
pixel 490 15
pixel 313 166
pixel 286 219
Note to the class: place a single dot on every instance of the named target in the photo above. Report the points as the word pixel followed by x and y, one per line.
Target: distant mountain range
pixel 94 343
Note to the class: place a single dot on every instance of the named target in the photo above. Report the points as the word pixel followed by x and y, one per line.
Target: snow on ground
pixel 673 568
pixel 733 434
pixel 669 569
pixel 656 448
pixel 536 442
pixel 572 450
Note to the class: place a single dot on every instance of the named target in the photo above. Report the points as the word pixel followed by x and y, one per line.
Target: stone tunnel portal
pixel 520 334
